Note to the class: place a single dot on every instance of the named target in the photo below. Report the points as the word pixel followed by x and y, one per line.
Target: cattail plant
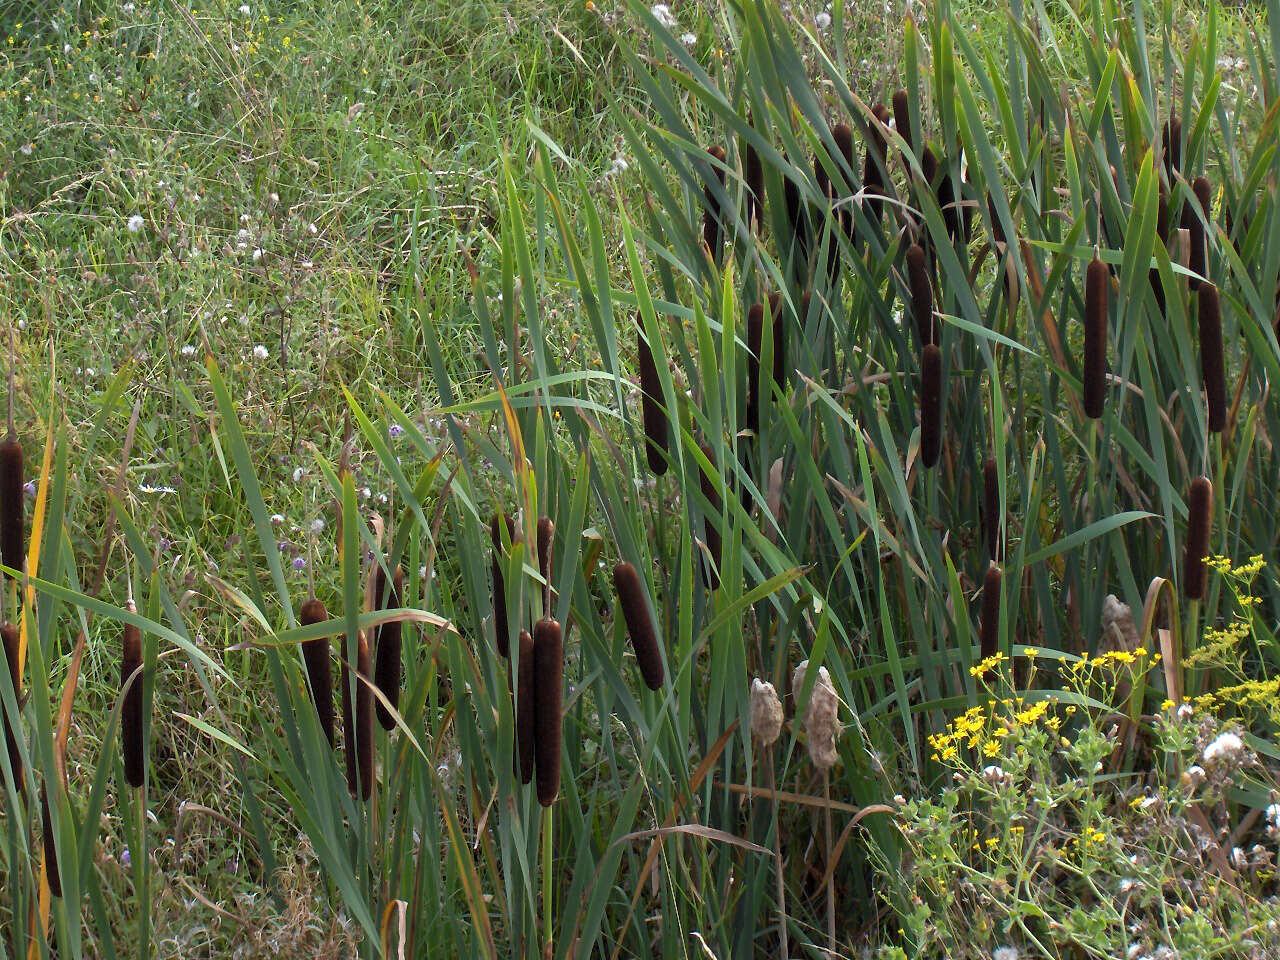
pixel 902 117
pixel 546 542
pixel 997 228
pixel 921 294
pixel 991 513
pixel 132 677
pixel 499 522
pixel 548 683
pixel 875 162
pixel 525 707
pixel 653 417
pixel 51 871
pixel 778 310
pixel 957 219
pixel 1097 287
pixel 712 232
pixel 11 637
pixel 12 551
pixel 387 642
pixel 1172 142
pixel 755 344
pixel 1212 365
pixel 930 406
pixel 1195 579
pixel 357 723
pixel 315 656
pixel 635 611
pixel 989 628
pixel 753 179
pixel 1198 263
pixel 766 725
pixel 822 730
pixel 710 526
pixel 798 220
pixel 842 135
pixel 1162 231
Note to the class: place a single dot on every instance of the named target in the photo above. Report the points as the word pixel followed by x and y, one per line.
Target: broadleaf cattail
pixel 357 725
pixel 989 628
pixel 1162 231
pixel 821 717
pixel 753 180
pixel 766 713
pixel 712 232
pixel 930 405
pixel 921 294
pixel 991 513
pixel 12 550
pixel 11 638
pixel 948 204
pixel 635 611
pixel 929 166
pixel 388 642
pixel 1097 287
pixel 1195 579
pixel 131 721
pixel 798 220
pixel 500 624
pixel 902 117
pixel 315 656
pixel 653 416
pixel 1212 365
pixel 778 309
pixel 755 344
pixel 1172 147
pixel 1196 226
pixel 842 135
pixel 525 710
pixel 546 542
pixel 548 684
pixel 51 872
pixel 875 162
pixel 711 522
pixel 997 227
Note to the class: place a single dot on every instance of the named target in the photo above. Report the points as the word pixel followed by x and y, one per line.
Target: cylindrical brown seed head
pixel 1172 147
pixel 1212 365
pixel 929 166
pixel 711 219
pixel 921 294
pixel 778 309
pixel 1097 287
pixel 635 611
pixel 357 724
pixel 991 513
pixel 1195 579
pixel 989 628
pixel 947 202
pixel 548 684
pixel 711 522
pixel 12 549
pixel 753 179
pixel 997 228
pixel 131 721
pixel 755 344
pixel 315 656
pixel 1162 215
pixel 525 710
pixel 546 542
pixel 388 643
pixel 51 871
pixel 797 219
pixel 656 429
pixel 500 625
pixel 876 161
pixel 902 117
pixel 1198 262
pixel 11 637
pixel 842 136
pixel 930 405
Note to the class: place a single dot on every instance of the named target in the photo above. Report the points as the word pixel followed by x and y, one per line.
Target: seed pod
pixel 1162 231
pixel 842 135
pixel 131 721
pixel 315 656
pixel 947 203
pixel 546 541
pixel 921 294
pixel 929 166
pixel 51 871
pixel 931 406
pixel 902 117
pixel 753 179
pixel 997 228
pixel 989 629
pixel 798 220
pixel 357 726
pixel 991 514
pixel 755 344
pixel 387 641
pixel 500 624
pixel 525 710
pixel 712 234
pixel 875 162
pixel 11 637
pixel 1198 262
pixel 635 611
pixel 1212 366
pixel 1097 286
pixel 1195 579
pixel 548 684
pixel 1172 147
pixel 821 719
pixel 653 416
pixel 12 550
pixel 710 525
pixel 766 713
pixel 778 309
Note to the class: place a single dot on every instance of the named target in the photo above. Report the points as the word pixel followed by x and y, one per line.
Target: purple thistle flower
pixel 299 563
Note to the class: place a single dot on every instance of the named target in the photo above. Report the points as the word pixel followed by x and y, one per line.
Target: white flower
pixel 127 8
pixel 995 775
pixel 1148 802
pixel 1004 953
pixel 619 165
pixel 1127 884
pixel 244 9
pixel 1193 776
pixel 823 20
pixel 26 149
pixel 187 350
pixel 312 229
pixel 260 352
pixel 1225 748
pixel 662 13
pixel 298 474
pixel 688 39
pixel 1185 710
pixel 317 526
pixel 135 223
pixel 1238 859
pixel 257 254
pixel 1273 814
pixel 1134 951
pixel 277 519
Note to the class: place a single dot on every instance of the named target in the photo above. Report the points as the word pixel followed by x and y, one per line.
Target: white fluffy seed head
pixel 821 719
pixel 766 713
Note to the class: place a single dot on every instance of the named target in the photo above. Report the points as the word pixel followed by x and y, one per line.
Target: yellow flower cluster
pixel 984 729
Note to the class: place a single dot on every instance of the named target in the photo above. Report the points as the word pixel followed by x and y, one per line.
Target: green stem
pixel 547 823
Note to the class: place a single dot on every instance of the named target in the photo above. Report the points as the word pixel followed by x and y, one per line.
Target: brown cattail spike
pixel 842 135
pixel 1172 147
pixel 875 162
pixel 635 611
pixel 753 179
pixel 654 418
pixel 548 683
pixel 51 872
pixel 525 710
pixel 388 642
pixel 132 676
pixel 798 220
pixel 1198 262
pixel 1212 365
pixel 1195 579
pixel 989 628
pixel 357 724
pixel 921 294
pixel 1097 287
pixel 12 549
pixel 755 344
pixel 902 117
pixel 778 309
pixel 12 641
pixel 930 406
pixel 711 522
pixel 546 542
pixel 315 656
pixel 500 625
pixel 711 220
pixel 991 513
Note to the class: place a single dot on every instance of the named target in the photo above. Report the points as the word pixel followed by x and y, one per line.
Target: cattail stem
pixel 525 715
pixel 831 874
pixel 52 874
pixel 771 784
pixel 548 826
pixel 546 543
pixel 11 637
